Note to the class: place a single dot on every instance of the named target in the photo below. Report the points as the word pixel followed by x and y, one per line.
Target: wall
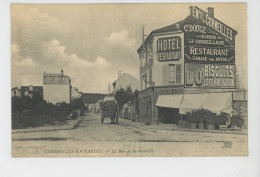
pixel 56 93
pixel 159 67
pixel 125 80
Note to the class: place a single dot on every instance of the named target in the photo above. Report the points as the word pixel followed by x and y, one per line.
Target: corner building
pixel 188 65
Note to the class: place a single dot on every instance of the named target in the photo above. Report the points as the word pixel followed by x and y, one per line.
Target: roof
pixel 35 88
pixel 15 88
pixel 172 27
pixel 89 98
pixel 55 75
pixel 124 75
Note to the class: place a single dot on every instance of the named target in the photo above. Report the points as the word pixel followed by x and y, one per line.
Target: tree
pixel 122 96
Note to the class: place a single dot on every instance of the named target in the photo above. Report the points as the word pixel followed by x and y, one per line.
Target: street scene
pixel 90 138
pixel 171 83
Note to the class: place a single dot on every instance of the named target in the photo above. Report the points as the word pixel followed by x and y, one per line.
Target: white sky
pixel 92 42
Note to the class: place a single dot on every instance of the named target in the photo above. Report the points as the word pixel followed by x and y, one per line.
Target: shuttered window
pixel 165 75
pixel 178 73
pixel 172 74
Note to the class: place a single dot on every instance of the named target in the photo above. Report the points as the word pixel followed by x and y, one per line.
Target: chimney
pixel 62 72
pixel 211 11
pixel 119 73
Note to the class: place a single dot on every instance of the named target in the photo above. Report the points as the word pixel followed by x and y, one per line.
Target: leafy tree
pixel 122 96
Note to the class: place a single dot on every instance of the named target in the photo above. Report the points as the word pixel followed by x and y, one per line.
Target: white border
pixel 185 167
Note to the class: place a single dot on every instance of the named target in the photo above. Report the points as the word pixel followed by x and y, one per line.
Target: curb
pixel 191 130
pixel 206 131
pixel 66 127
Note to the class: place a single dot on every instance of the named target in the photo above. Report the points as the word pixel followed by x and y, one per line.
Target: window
pixel 172 74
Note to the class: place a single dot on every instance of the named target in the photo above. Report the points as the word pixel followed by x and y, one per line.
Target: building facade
pixel 56 88
pixel 124 80
pixel 191 59
pixel 29 91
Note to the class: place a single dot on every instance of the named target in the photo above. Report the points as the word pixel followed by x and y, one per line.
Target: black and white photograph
pixel 129 80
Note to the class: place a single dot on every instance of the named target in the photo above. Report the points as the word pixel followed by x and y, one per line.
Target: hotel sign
pixel 209 75
pixel 209 54
pixel 169 49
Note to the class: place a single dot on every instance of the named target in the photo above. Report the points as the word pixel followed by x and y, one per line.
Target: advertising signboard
pixel 204 18
pixel 169 49
pixel 209 75
pixel 209 54
pixel 168 91
pixel 198 34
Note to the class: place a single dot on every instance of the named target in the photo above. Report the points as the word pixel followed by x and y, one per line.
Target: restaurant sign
pixel 209 54
pixel 209 75
pixel 169 48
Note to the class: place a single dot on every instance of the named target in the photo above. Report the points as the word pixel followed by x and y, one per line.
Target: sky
pixel 91 42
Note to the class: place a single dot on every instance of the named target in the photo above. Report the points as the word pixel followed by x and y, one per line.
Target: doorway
pixel 168 115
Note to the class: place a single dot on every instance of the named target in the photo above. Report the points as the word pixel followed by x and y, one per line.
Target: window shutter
pixel 178 73
pixel 150 77
pixel 165 75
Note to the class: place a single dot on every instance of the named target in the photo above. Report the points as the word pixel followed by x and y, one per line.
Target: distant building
pixel 124 80
pixel 16 92
pixel 56 88
pixel 27 91
pixel 75 94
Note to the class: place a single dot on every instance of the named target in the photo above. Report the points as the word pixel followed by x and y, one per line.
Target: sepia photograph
pixel 129 80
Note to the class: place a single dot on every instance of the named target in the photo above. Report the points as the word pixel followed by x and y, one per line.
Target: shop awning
pixel 215 102
pixel 218 102
pixel 191 102
pixel 169 101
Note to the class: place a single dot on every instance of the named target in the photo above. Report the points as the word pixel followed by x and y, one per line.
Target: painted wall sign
pixel 169 48
pixel 213 23
pixel 196 34
pixel 209 54
pixel 210 75
pixel 168 91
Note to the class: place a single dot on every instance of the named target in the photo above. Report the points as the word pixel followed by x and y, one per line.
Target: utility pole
pixel 143 37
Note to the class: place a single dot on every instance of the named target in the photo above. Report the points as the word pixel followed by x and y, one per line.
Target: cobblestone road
pixel 127 138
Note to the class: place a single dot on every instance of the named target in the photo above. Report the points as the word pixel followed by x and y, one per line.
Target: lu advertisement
pixel 209 75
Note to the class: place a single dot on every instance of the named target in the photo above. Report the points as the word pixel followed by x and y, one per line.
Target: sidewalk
pixel 69 125
pixel 174 127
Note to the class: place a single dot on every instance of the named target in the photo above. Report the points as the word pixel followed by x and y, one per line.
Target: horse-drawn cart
pixel 109 110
